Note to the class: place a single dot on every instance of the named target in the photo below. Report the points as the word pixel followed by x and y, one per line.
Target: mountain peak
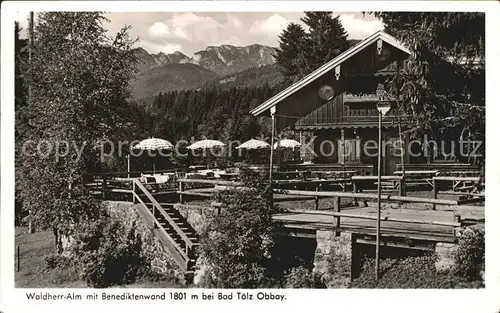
pixel 223 59
pixel 226 59
pixel 140 50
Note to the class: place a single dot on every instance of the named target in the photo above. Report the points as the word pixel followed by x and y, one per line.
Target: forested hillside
pixel 212 113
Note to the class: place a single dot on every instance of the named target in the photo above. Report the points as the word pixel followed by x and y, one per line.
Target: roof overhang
pixel 327 67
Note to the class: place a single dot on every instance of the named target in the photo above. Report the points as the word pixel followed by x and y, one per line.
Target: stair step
pixel 175 236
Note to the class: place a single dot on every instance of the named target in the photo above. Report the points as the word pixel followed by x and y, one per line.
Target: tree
pixel 302 51
pixel 326 39
pixel 290 55
pixel 20 56
pixel 442 88
pixel 78 78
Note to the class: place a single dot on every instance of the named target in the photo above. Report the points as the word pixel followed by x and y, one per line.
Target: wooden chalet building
pixel 337 102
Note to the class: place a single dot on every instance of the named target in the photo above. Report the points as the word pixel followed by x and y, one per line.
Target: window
pixel 351 152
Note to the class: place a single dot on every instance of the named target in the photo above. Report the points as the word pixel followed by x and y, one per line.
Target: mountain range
pixel 216 64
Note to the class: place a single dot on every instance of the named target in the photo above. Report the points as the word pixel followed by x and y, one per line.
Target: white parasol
pixel 253 144
pixel 152 144
pixel 205 144
pixel 287 143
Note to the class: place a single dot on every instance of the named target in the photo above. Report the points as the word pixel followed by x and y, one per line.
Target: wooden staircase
pixel 179 239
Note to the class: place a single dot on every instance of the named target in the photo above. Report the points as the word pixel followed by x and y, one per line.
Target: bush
pixel 300 277
pixel 53 261
pixel 469 255
pixel 237 244
pixel 108 255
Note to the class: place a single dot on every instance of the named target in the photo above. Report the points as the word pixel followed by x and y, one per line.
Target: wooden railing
pixel 337 214
pixel 202 184
pixel 111 189
pixel 189 245
pixel 371 196
pixel 133 190
pixel 444 168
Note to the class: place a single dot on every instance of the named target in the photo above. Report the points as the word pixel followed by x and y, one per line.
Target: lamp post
pixel 382 108
pixel 273 122
pixel 128 165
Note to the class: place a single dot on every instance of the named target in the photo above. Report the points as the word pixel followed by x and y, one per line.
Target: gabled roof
pixel 327 67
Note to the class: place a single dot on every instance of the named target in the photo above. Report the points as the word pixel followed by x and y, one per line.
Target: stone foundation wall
pixel 333 258
pixel 152 249
pixel 197 218
pixel 444 252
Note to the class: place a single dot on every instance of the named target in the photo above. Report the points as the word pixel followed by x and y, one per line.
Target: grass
pixel 34 273
pixel 410 273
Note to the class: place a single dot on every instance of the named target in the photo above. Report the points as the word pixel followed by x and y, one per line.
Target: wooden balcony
pixel 365 98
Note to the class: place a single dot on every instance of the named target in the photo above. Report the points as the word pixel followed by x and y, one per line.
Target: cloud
pixel 178 32
pixel 194 31
pixel 233 21
pixel 158 29
pixel 359 28
pixel 271 26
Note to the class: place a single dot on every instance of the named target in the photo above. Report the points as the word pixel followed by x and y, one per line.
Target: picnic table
pixel 318 183
pixel 460 185
pixel 387 182
pixel 418 172
pixel 229 176
pixel 417 176
pixel 160 178
pixel 334 173
pixel 198 167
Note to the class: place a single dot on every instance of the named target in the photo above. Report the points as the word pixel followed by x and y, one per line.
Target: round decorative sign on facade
pixel 385 54
pixel 326 92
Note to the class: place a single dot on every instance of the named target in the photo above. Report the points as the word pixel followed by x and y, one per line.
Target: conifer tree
pixel 326 38
pixel 302 51
pixel 290 55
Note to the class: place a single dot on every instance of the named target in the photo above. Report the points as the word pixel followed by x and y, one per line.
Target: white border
pixel 13 300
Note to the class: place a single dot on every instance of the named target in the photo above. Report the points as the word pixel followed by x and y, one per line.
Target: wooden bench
pixel 470 188
pixel 418 177
pixel 389 182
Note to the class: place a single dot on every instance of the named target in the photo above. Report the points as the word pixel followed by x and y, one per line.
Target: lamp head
pixel 383 107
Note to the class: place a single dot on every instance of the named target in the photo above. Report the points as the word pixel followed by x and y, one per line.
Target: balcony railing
pixel 352 98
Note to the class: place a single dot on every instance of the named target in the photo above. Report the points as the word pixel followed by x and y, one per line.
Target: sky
pixel 190 32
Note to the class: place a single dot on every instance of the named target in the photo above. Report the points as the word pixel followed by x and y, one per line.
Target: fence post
pixel 458 219
pixel 181 189
pixel 402 187
pixel 133 191
pixel 154 214
pixel 18 259
pixel 336 206
pixel 316 198
pixel 104 183
pixel 355 190
pixel 434 192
